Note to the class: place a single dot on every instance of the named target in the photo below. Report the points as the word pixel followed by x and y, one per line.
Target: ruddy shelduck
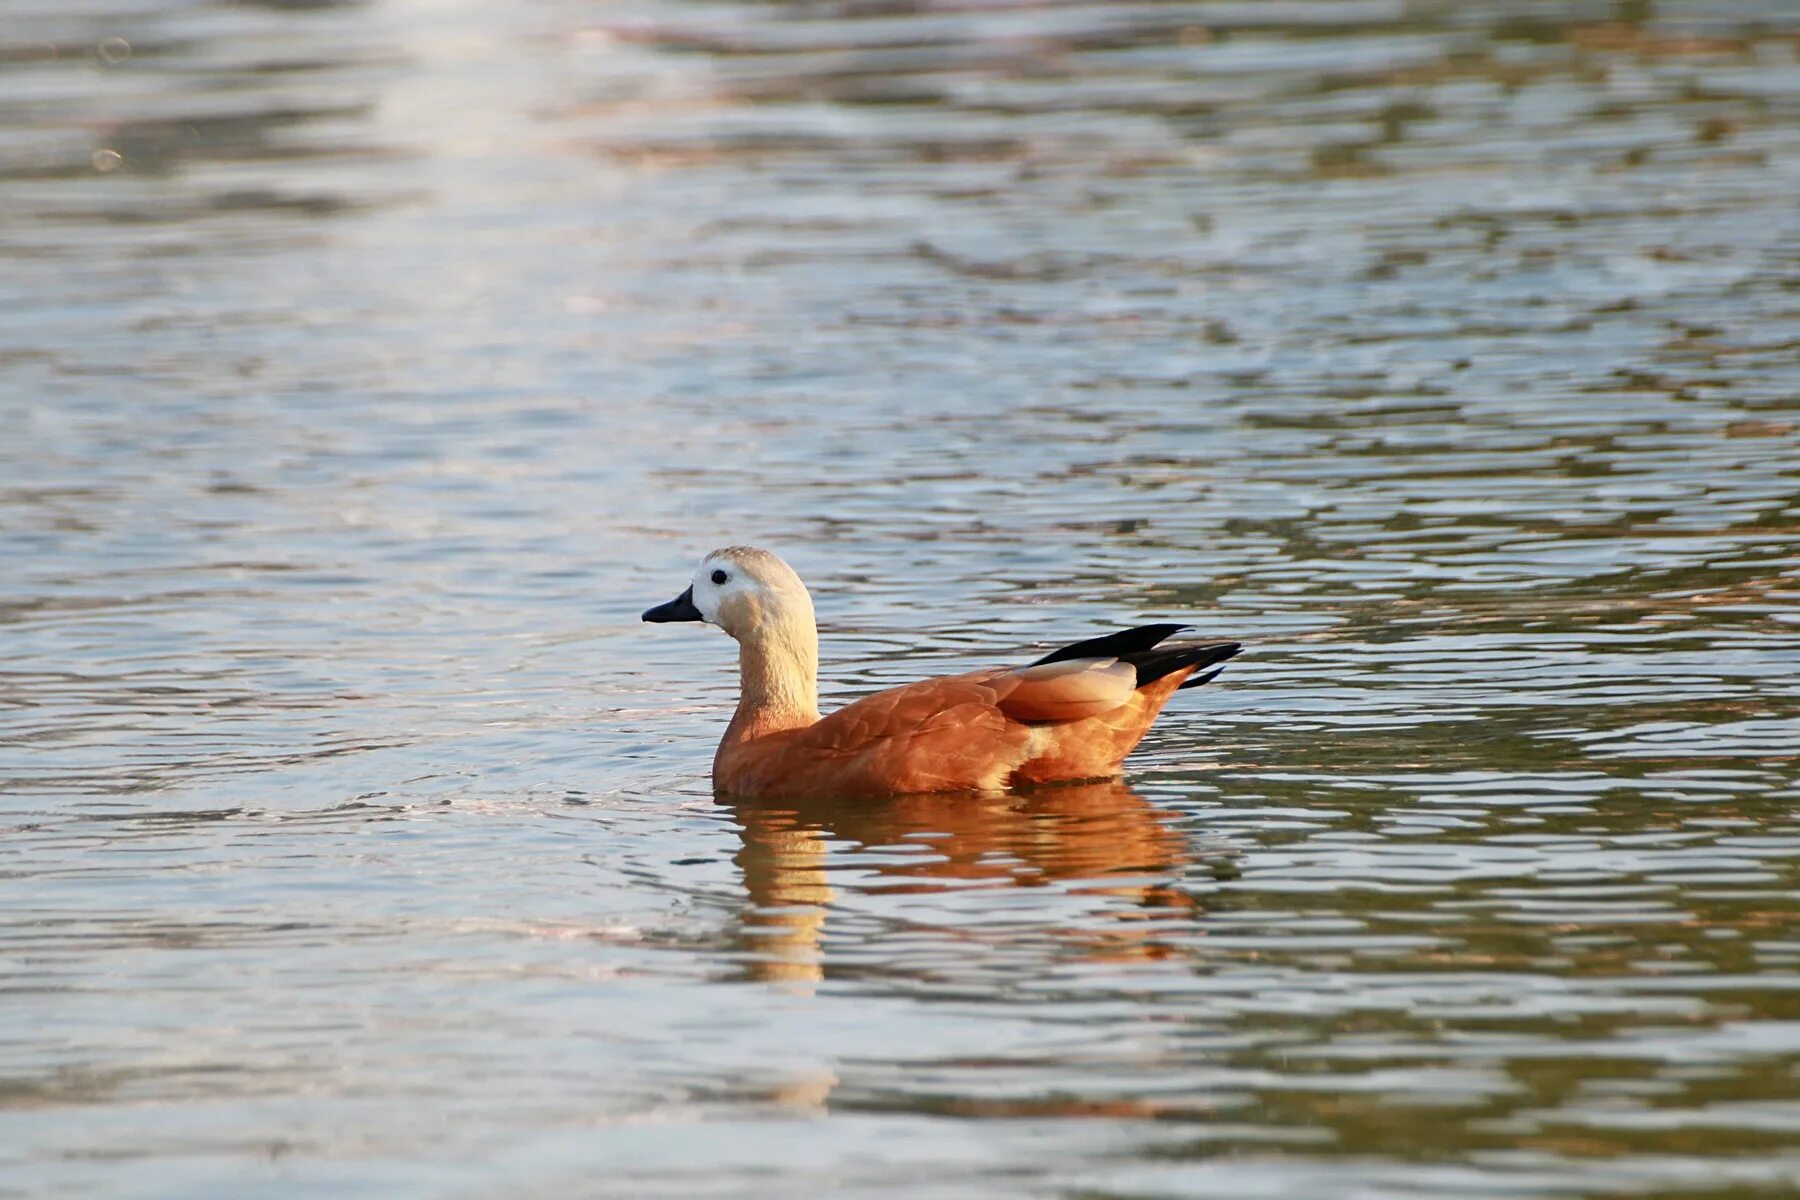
pixel 1072 715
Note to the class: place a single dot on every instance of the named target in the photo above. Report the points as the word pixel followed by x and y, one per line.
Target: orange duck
pixel 1074 714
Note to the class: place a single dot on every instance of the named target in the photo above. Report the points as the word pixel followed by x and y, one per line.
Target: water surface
pixel 365 368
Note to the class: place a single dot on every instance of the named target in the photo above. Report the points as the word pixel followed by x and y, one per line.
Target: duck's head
pixel 746 591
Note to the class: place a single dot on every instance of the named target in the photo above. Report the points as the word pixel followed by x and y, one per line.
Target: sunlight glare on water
pixel 367 366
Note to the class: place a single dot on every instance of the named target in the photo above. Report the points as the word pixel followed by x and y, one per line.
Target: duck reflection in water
pixel 1116 863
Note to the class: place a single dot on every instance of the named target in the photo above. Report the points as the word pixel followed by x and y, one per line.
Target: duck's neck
pixel 778 673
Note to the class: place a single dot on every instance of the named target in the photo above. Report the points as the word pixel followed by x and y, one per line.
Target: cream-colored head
pixel 756 598
pixel 750 593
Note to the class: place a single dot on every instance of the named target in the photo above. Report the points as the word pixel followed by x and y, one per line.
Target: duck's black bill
pixel 681 608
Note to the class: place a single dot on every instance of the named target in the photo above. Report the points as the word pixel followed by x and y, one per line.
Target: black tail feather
pixel 1139 647
pixel 1198 680
pixel 1168 661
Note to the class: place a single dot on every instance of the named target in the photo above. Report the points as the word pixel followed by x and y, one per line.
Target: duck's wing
pixel 951 733
pixel 1065 690
pixel 907 712
pixel 1061 691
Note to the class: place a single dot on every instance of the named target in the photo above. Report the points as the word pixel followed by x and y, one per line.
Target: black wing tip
pixel 1142 648
pixel 1115 645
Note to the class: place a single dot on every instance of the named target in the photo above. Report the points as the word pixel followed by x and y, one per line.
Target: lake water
pixel 366 368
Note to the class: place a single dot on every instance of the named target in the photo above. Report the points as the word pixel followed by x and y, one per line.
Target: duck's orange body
pixel 1074 714
pixel 977 732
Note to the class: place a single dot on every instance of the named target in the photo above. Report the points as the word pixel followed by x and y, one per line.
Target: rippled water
pixel 366 367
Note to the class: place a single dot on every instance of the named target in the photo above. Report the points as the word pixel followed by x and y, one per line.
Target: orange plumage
pixel 1072 715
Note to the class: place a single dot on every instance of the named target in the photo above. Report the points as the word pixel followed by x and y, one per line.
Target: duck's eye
pixel 720 577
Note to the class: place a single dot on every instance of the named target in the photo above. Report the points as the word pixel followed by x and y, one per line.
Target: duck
pixel 1071 716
